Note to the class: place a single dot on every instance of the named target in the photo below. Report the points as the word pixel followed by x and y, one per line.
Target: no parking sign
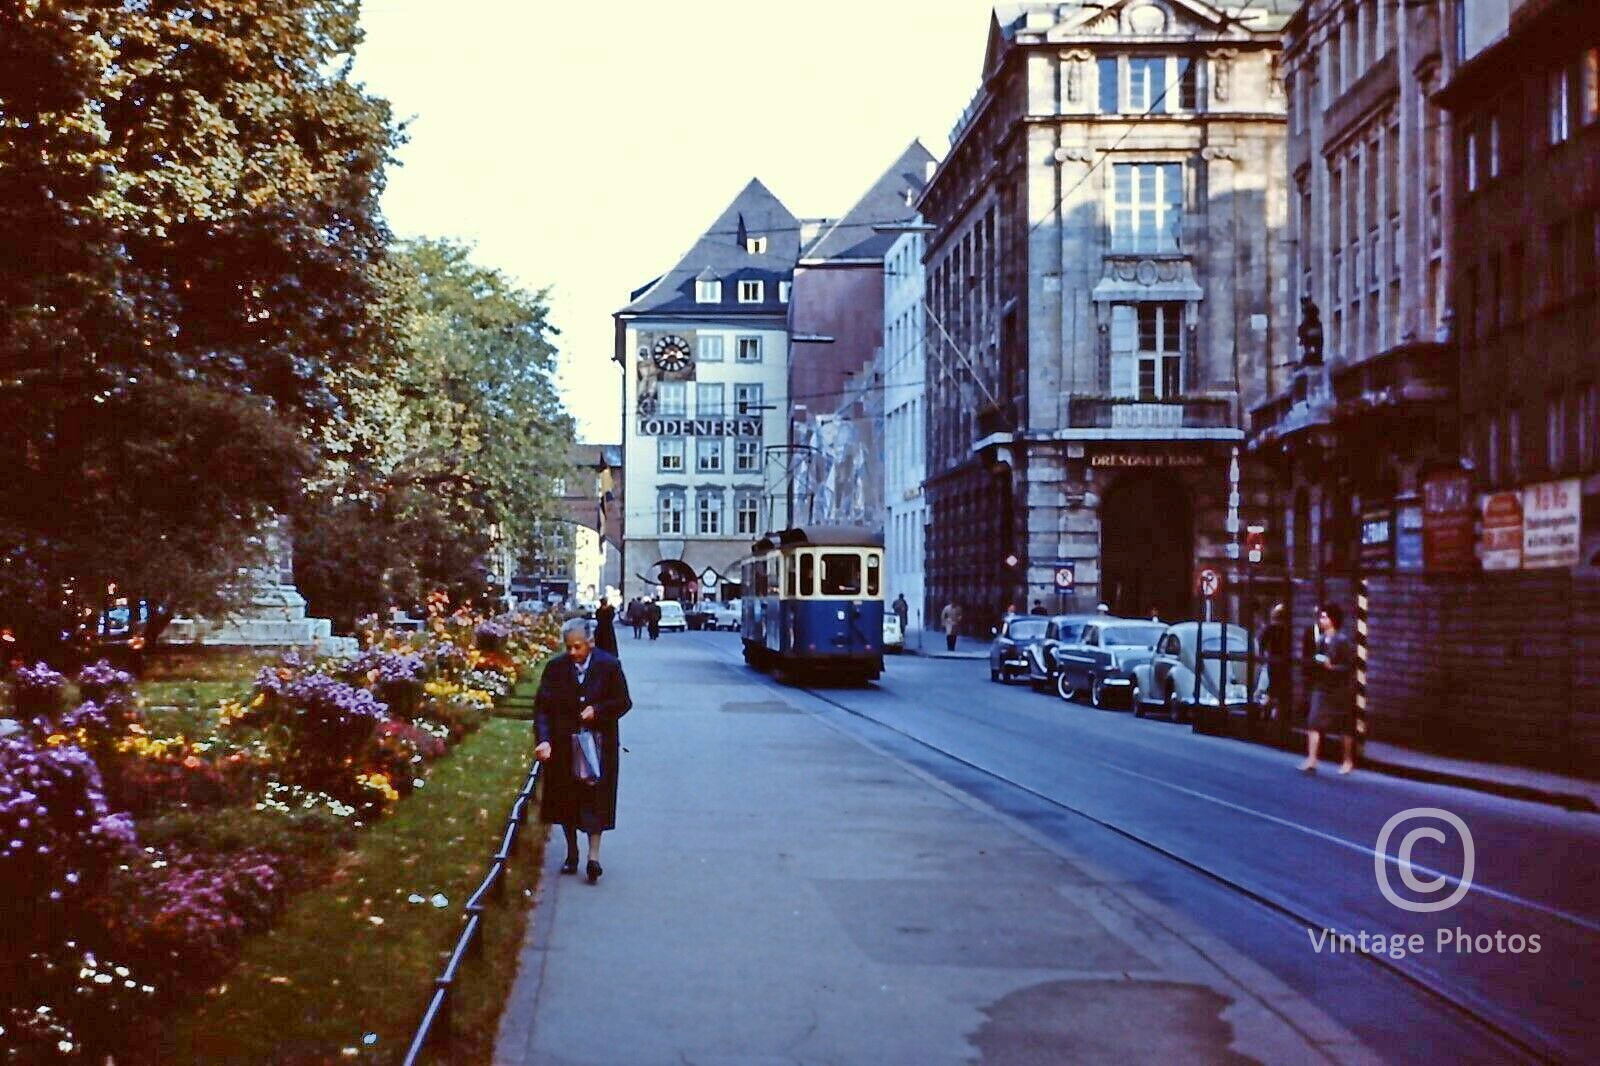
pixel 1066 576
pixel 1208 582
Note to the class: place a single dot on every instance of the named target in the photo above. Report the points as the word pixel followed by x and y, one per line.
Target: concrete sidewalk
pixel 777 892
pixel 931 644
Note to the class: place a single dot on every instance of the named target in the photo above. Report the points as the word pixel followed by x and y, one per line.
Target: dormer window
pixel 755 245
pixel 707 291
pixel 752 292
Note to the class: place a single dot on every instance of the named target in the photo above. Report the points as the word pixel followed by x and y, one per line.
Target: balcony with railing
pixel 1133 414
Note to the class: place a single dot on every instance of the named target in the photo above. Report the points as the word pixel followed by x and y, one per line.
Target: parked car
pixel 1008 654
pixel 1103 659
pixel 1060 630
pixel 672 617
pixel 1170 679
pixel 727 615
pixel 702 615
pixel 894 638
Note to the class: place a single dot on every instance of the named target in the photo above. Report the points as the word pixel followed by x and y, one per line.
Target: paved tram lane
pixel 1301 843
pixel 779 891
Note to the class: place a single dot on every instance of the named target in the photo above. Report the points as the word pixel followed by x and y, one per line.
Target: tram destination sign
pixel 659 426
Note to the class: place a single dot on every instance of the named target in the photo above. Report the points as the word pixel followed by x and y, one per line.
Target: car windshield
pixel 1027 628
pixel 1132 636
pixel 671 607
pixel 1069 633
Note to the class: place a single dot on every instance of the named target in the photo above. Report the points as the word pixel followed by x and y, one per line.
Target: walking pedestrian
pixel 902 610
pixel 1276 642
pixel 635 616
pixel 605 627
pixel 950 619
pixel 582 689
pixel 652 618
pixel 1039 608
pixel 1332 690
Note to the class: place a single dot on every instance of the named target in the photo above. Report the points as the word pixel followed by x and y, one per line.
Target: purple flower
pixel 104 676
pixel 39 678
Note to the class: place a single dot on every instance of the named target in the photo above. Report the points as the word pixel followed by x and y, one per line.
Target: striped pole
pixel 1361 658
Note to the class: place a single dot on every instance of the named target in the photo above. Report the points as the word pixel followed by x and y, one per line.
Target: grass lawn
pixel 350 964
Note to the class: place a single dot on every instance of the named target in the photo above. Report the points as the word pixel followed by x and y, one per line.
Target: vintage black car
pixel 1008 655
pixel 1060 631
pixel 1102 661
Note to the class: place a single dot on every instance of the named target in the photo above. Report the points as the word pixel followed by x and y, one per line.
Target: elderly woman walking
pixel 1332 690
pixel 583 689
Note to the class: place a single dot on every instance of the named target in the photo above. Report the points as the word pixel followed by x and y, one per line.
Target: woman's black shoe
pixel 571 865
pixel 593 870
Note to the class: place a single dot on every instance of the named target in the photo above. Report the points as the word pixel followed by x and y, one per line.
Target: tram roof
pixel 821 537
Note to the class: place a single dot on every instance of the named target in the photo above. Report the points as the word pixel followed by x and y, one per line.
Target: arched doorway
pixel 1146 547
pixel 677 581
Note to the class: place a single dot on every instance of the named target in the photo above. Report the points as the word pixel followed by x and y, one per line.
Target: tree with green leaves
pixel 456 439
pixel 190 249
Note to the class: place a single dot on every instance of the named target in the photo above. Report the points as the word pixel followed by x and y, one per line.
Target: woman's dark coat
pixel 605 628
pixel 591 808
pixel 1333 694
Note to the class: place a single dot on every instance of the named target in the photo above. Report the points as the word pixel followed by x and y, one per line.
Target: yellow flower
pixel 261 697
pixel 55 740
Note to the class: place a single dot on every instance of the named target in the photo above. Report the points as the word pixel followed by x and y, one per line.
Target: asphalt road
pixel 1266 858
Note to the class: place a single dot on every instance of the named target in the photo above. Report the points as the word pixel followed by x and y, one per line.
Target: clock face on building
pixel 671 353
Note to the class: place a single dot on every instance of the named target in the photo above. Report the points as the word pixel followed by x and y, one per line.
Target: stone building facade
pixel 1357 436
pixel 902 367
pixel 704 350
pixel 1108 293
pixel 836 325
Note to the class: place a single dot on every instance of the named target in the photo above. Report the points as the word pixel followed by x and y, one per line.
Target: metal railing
pixel 435 1026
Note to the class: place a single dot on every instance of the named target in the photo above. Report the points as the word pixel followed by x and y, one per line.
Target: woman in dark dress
pixel 1332 690
pixel 605 627
pixel 583 689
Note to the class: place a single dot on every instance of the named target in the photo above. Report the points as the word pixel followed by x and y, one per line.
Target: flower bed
pixel 145 848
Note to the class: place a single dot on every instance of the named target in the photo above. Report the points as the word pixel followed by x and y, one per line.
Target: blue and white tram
pixel 813 603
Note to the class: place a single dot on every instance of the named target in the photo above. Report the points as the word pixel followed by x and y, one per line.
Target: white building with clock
pixel 704 350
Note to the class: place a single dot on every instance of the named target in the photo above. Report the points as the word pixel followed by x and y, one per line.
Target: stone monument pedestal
pixel 275 617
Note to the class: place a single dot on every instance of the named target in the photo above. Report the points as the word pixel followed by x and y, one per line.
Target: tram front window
pixel 841 575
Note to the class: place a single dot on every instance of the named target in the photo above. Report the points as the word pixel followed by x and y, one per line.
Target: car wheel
pixel 1097 693
pixel 1169 704
pixel 1064 688
pixel 994 675
pixel 1136 700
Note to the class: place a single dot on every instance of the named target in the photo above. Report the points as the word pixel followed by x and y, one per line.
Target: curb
pixel 1567 800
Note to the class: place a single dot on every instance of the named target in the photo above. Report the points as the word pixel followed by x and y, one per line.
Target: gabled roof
pixel 892 198
pixel 721 253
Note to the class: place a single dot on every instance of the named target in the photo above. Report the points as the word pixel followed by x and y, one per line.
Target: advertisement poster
pixel 1552 520
pixel 1408 538
pixel 1447 519
pixel 1377 539
pixel 1502 531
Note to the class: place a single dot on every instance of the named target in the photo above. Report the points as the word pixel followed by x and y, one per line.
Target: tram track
pixel 1484 1018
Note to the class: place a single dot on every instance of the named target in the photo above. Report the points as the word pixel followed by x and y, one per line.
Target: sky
pixel 582 147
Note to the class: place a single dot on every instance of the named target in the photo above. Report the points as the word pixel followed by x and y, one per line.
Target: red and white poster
pixel 1447 515
pixel 1552 522
pixel 1502 531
